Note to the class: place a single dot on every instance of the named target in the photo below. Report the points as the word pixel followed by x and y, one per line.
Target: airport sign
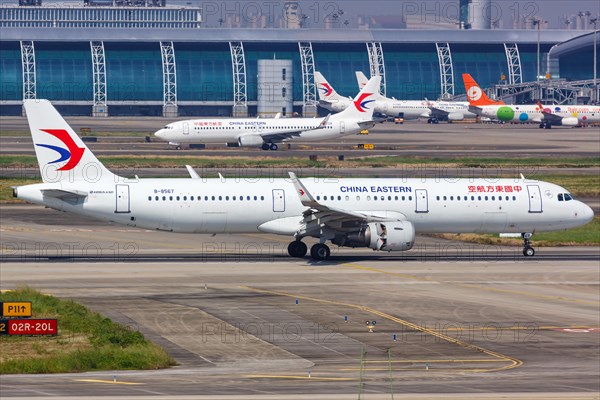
pixel 29 327
pixel 16 309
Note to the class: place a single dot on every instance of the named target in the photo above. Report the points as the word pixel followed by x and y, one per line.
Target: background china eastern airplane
pixel 266 133
pixel 434 111
pixel 381 214
pixel 546 117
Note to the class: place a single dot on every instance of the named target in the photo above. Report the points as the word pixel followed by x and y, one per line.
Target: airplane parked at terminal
pixel 546 117
pixel 380 214
pixel 266 133
pixel 434 111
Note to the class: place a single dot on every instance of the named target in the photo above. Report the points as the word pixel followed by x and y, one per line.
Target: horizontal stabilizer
pixel 63 194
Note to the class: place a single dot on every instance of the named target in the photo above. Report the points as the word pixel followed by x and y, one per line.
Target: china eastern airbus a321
pixel 381 214
pixel 266 133
pixel 545 116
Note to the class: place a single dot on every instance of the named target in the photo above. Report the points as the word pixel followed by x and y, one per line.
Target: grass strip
pixel 587 235
pixel 87 341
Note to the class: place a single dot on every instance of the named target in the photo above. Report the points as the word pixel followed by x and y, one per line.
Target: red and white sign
pixel 32 327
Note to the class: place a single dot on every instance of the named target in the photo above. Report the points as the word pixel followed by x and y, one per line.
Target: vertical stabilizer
pixel 326 91
pixel 61 154
pixel 476 95
pixel 362 106
pixel 362 80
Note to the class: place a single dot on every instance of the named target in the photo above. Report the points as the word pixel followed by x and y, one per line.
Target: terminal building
pixel 148 58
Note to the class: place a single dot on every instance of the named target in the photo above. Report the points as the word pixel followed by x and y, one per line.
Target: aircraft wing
pixel 438 113
pixel 319 215
pixel 280 137
pixel 549 115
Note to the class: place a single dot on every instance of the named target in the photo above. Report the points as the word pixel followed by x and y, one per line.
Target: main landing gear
pixel 269 146
pixel 546 125
pixel 528 251
pixel 433 121
pixel 318 251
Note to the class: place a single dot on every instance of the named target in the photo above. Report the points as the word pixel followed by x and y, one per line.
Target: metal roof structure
pixel 288 35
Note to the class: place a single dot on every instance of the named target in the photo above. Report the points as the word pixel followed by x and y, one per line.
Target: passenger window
pixel 368 197
pixel 347 198
pixel 184 198
pixel 248 198
pixel 227 198
pixel 171 198
pixel 472 198
pixel 262 197
pixel 486 198
pixel 493 197
pixel 451 197
pixel 409 198
pixel 149 198
pixel 233 198
pixel 374 198
pixel 255 198
pixel 357 198
pixel 213 198
pixel 339 197
pixel 318 197
pixel 164 198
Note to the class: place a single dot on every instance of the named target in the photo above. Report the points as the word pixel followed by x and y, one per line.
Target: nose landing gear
pixel 528 251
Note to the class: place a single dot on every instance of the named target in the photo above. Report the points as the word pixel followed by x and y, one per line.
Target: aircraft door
pixel 186 128
pixel 122 199
pixel 342 127
pixel 278 200
pixel 535 198
pixel 422 203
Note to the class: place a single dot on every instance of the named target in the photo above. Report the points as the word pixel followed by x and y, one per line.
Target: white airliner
pixel 407 109
pixel 434 111
pixel 266 133
pixel 546 117
pixel 381 214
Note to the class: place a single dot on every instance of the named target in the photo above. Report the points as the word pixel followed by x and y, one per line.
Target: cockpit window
pixel 565 197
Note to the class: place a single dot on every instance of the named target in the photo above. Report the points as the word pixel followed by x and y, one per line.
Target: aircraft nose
pixel 160 134
pixel 586 213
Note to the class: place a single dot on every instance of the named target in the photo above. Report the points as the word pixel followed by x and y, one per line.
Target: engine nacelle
pixel 250 141
pixel 385 236
pixel 456 116
pixel 569 121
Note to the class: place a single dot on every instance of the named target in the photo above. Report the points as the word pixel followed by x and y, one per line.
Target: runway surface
pixel 241 318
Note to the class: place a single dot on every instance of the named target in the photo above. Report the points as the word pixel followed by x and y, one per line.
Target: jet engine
pixel 385 236
pixel 569 121
pixel 456 116
pixel 250 141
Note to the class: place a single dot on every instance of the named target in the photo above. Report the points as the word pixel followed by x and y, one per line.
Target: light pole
pixel 537 22
pixel 595 22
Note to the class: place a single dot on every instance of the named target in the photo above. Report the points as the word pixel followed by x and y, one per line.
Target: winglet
pixel 306 198
pixel 193 174
pixel 323 123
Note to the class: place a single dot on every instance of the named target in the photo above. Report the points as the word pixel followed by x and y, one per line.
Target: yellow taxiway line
pixel 113 382
pixel 513 362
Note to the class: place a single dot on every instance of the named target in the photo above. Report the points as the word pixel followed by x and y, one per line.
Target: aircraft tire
pixel 273 147
pixel 265 146
pixel 320 251
pixel 297 249
pixel 528 251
